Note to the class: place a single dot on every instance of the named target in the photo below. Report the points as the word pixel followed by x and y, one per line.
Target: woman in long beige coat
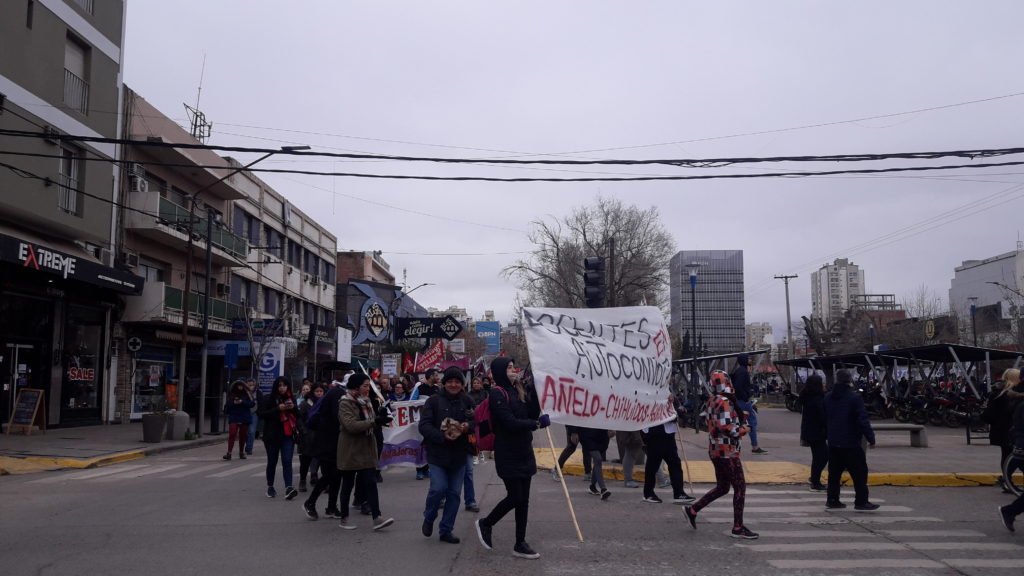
pixel 357 450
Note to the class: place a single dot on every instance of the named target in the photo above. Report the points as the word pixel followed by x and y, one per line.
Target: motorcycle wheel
pixel 952 420
pixel 901 415
pixel 919 416
pixel 936 416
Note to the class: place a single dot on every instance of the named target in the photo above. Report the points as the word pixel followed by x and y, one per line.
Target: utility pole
pixel 789 322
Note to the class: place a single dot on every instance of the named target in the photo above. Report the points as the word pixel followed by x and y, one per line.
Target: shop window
pixel 83 369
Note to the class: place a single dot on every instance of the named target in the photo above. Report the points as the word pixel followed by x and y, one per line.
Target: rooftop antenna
pixel 200 127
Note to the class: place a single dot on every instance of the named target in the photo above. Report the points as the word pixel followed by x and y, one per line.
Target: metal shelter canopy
pixel 952 353
pixel 830 363
pixel 704 365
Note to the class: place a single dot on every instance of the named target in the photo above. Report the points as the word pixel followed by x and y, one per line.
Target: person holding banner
pixel 726 425
pixel 515 415
pixel 357 450
pixel 445 422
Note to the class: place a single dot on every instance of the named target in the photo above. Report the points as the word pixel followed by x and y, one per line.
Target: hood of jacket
pixel 499 371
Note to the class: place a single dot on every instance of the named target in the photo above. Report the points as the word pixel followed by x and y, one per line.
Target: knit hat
pixel 453 373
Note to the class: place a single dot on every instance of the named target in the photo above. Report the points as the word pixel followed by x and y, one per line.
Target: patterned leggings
pixel 728 472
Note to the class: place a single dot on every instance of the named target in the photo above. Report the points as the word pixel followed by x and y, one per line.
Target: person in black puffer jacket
pixel 445 423
pixel 847 422
pixel 515 412
pixel 813 431
pixel 325 449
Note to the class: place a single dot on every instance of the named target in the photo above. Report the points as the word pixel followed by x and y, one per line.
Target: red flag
pixel 375 374
pixel 408 363
pixel 431 357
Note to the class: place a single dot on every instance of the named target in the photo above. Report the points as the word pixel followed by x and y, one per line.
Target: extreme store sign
pixel 45 259
pixel 604 368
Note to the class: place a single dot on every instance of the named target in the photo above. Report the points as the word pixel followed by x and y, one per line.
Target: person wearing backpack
pixel 445 423
pixel 515 414
pixel 323 420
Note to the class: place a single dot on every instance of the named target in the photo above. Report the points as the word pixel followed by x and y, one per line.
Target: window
pixel 69 194
pixel 270 300
pixel 150 271
pixel 76 84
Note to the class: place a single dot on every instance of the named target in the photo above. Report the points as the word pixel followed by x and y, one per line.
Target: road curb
pixel 29 464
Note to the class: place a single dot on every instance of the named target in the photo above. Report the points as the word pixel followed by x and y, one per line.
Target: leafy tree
pixel 637 272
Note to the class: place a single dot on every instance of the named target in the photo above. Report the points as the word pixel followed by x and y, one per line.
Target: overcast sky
pixel 615 80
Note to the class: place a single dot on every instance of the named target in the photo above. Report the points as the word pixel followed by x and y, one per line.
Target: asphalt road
pixel 189 512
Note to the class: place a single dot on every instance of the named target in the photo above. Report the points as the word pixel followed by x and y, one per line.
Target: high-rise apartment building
pixel 717 305
pixel 833 286
pixel 757 335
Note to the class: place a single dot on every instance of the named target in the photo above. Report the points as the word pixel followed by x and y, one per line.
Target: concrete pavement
pixel 947 461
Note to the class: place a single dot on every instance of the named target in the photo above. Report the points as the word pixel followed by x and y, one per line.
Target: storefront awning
pixel 70 263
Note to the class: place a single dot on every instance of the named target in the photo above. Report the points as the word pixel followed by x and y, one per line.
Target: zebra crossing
pixel 171 470
pixel 850 541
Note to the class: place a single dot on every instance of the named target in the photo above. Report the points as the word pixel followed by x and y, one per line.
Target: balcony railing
pixel 219 309
pixel 223 239
pixel 76 92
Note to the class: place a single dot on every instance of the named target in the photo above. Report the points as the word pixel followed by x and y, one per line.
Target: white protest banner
pixel 389 363
pixel 604 368
pixel 403 445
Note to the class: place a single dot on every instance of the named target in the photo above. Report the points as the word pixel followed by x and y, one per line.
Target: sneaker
pixel 310 510
pixel 271 492
pixel 472 508
pixel 631 484
pixel 683 498
pixel 332 513
pixel 758 450
pixel 290 492
pixel 523 550
pixel 652 499
pixel 555 475
pixel 817 487
pixel 428 528
pixel 743 532
pixel 605 494
pixel 344 524
pixel 593 490
pixel 691 516
pixel 450 538
pixel 380 524
pixel 227 456
pixel 837 505
pixel 1007 518
pixel 665 483
pixel 483 532
pixel 248 451
pixel 241 455
pixel 865 507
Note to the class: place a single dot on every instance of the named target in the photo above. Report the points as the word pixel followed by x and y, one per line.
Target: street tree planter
pixel 153 427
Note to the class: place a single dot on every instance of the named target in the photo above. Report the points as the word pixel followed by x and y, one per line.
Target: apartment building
pixel 61 288
pixel 833 288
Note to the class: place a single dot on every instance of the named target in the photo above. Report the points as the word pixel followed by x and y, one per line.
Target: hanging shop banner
pixel 344 345
pixel 447 328
pixel 271 366
pixel 50 261
pixel 491 333
pixel 604 368
pixel 403 445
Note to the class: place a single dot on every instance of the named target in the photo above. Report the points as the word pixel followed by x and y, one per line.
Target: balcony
pixel 76 92
pixel 171 226
pixel 162 303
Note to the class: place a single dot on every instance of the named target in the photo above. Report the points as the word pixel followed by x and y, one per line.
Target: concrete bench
pixel 918 435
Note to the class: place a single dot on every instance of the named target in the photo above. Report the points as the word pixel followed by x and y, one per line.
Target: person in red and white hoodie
pixel 726 425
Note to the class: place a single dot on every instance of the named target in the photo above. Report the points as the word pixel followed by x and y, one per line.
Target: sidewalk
pixel 947 461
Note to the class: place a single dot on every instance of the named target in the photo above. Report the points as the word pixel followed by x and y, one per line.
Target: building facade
pixel 757 335
pixel 833 287
pixel 61 289
pixel 217 246
pixel 716 307
pixel 363 265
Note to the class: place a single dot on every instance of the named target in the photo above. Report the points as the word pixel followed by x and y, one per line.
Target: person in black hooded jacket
pixel 325 450
pixel 847 422
pixel 813 429
pixel 515 412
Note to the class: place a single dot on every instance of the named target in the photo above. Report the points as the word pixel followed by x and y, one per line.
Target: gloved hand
pixel 382 421
pixel 544 421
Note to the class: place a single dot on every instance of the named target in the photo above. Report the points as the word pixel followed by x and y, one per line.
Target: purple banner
pixel 408 453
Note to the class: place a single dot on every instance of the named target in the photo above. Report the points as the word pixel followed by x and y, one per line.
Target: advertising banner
pixel 271 366
pixel 389 364
pixel 491 333
pixel 604 368
pixel 344 345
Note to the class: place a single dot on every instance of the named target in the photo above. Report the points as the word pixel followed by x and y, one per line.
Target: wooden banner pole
pixel 565 489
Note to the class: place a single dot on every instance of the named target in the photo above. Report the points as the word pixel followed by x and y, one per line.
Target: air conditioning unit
pixel 130 259
pixel 314 280
pixel 140 185
pixel 223 289
pixel 138 169
pixel 106 257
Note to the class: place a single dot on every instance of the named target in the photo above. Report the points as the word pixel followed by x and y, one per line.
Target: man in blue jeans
pixel 744 392
pixel 445 422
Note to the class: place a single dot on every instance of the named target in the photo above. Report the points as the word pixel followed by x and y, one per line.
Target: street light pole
pixel 692 267
pixel 188 281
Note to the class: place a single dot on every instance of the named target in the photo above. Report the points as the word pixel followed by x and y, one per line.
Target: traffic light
pixel 593 281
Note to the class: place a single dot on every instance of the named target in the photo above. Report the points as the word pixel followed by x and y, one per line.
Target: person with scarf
pixel 280 417
pixel 357 450
pixel 238 410
pixel 515 414
pixel 726 425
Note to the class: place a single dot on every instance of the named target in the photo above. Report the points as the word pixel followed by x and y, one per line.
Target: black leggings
pixel 569 450
pixel 728 472
pixel 517 498
pixel 366 479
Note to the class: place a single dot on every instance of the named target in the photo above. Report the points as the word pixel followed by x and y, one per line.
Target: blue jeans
pixel 284 449
pixel 469 491
pixel 446 484
pixel 251 439
pixel 748 407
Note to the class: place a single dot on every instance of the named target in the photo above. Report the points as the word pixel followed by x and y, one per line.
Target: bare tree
pixel 923 303
pixel 553 273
